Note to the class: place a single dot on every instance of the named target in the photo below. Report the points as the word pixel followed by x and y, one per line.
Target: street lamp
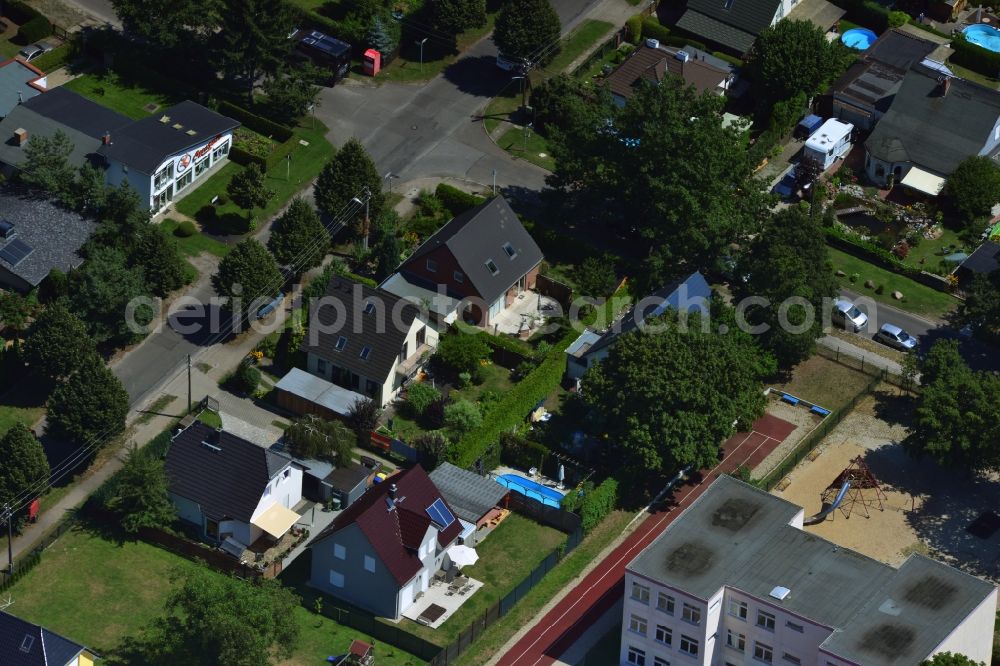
pixel 524 81
pixel 421 45
pixel 366 193
pixel 389 176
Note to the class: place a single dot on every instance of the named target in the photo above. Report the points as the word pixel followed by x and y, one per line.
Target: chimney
pixel 945 85
pixel 20 136
pixel 106 139
pixel 392 492
pixel 20 97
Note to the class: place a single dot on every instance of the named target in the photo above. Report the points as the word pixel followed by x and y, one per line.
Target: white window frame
pixel 431 265
pixel 791 659
pixel 660 661
pixel 664 635
pixel 640 593
pixel 636 656
pixel 637 624
pixel 739 643
pixel 691 614
pixel 739 609
pixel 336 578
pixel 665 603
pixel 794 626
pixel 765 620
pixel 763 652
pixel 689 646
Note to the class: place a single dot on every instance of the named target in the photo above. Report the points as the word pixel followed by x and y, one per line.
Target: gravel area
pixel 804 422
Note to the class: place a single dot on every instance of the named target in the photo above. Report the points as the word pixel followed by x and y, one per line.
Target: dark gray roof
pixel 342 314
pixel 146 143
pixel 875 78
pixel 348 478
pixel 469 494
pixel 43 647
pixel 899 49
pixel 739 536
pixel 85 147
pixel 226 481
pixel 15 84
pixel 736 27
pixel 54 235
pixel 985 259
pixel 478 235
pixel 933 130
pixel 77 112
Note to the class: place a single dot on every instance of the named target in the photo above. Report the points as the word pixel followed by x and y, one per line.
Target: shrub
pixel 598 503
pixel 247 377
pixel 897 19
pixel 35 29
pixel 20 12
pixel 55 58
pixel 455 200
pixel 465 379
pixel 880 289
pixel 462 352
pixel 462 416
pixel 363 417
pixel 596 276
pixel 424 226
pixel 651 29
pixel 259 124
pixel 252 143
pixel 634 27
pixel 419 397
pixel 185 229
pixel 521 452
pixel 732 60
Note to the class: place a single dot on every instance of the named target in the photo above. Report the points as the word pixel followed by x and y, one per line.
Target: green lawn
pixel 585 36
pixel 927 255
pixel 194 245
pixel 917 298
pixel 971 75
pixel 513 141
pixel 285 179
pixel 8 49
pixel 825 382
pixel 96 592
pixel 505 557
pixel 10 415
pixel 406 67
pixel 113 91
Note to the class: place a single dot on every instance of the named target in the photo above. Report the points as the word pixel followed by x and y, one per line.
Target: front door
pixel 212 528
pixel 163 198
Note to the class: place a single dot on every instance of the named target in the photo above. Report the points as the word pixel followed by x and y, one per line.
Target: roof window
pixel 509 249
pixel 365 353
pixel 341 343
pixel 492 267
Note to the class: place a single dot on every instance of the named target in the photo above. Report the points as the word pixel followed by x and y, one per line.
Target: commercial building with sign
pixel 164 155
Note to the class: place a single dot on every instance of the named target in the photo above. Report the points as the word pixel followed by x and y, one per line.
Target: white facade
pixel 431 555
pixel 967 638
pixel 828 143
pixel 175 176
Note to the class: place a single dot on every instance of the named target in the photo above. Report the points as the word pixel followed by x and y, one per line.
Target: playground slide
pixel 821 516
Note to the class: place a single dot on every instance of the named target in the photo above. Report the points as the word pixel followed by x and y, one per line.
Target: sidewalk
pixel 866 357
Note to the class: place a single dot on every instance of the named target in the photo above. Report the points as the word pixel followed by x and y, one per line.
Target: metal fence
pixel 869 366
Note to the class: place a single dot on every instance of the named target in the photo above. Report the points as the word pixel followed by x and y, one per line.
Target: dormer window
pixel 341 343
pixel 492 267
pixel 432 265
pixel 365 353
pixel 509 249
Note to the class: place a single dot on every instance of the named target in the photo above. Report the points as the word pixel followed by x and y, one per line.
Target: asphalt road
pixel 101 10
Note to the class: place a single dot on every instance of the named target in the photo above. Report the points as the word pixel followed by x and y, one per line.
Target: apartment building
pixel 736 580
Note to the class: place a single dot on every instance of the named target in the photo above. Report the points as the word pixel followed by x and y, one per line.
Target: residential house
pixel 935 121
pixel 230 488
pixel 651 63
pixel 85 123
pixel 476 499
pixel 733 25
pixel 168 154
pixel 735 579
pixel 25 644
pixel 984 260
pixel 37 236
pixel 19 81
pixel 863 94
pixel 692 293
pixel 367 340
pixel 475 266
pixel 382 551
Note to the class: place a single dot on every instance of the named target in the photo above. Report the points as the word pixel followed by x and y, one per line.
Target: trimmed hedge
pixel 634 27
pixel 974 57
pixel 455 200
pixel 598 503
pixel 35 29
pixel 246 158
pixel 867 13
pixel 259 124
pixel 55 58
pixel 20 12
pixel 732 60
pixel 652 29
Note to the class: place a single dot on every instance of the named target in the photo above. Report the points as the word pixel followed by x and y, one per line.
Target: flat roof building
pixel 735 579
pixel 19 81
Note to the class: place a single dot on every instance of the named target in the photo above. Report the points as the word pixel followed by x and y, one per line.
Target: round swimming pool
pixel 983 35
pixel 858 38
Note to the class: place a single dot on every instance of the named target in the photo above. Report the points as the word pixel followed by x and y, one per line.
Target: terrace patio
pixel 441 600
pixel 528 312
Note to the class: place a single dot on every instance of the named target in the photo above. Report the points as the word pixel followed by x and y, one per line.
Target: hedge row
pixel 598 503
pixel 35 29
pixel 55 58
pixel 513 345
pixel 975 57
pixel 878 255
pixel 634 27
pixel 259 124
pixel 865 12
pixel 455 200
pixel 652 29
pixel 20 12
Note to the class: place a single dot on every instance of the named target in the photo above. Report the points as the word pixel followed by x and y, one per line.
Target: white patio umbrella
pixel 462 555
pixel 562 474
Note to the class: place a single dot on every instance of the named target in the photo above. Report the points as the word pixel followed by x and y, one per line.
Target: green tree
pixel 248 273
pixel 46 163
pixel 168 24
pixel 788 264
pixel 253 622
pixel 313 437
pixel 290 93
pixel 298 239
pixel 949 658
pixel 25 468
pixel 434 447
pixel 954 421
pixel 249 190
pixel 456 16
pixel 139 495
pixel 383 34
pixel 654 166
pixel 160 260
pixel 57 342
pixel 462 416
pixel 670 397
pixel 595 276
pixel 346 176
pixel 556 101
pixel 792 57
pixel 253 40
pixel 87 193
pixel 973 188
pixel 462 352
pixel 527 29
pixel 101 293
pixel 363 417
pixel 981 308
pixel 15 310
pixel 90 407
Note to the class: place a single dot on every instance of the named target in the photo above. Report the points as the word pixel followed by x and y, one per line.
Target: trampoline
pixel 858 38
pixel 529 488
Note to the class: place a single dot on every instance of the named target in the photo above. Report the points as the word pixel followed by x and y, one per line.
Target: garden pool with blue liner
pixel 529 488
pixel 983 35
pixel 858 38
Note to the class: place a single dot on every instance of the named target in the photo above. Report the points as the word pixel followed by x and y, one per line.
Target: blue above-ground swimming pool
pixel 529 488
pixel 858 38
pixel 983 35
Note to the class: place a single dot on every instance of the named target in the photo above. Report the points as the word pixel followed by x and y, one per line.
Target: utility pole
pixel 421 44
pixel 189 383
pixel 10 539
pixel 367 194
pixel 494 182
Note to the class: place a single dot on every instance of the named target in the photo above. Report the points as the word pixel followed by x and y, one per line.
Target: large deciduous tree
pixel 90 407
pixel 455 16
pixel 253 39
pixel 168 24
pixel 669 396
pixel 57 342
pixel 248 273
pixel 954 422
pixel 25 468
pixel 981 308
pixel 527 29
pixel 973 188
pixel 345 177
pixel 666 172
pixel 313 437
pixel 249 189
pixel 298 239
pixel 139 494
pixel 291 93
pixel 104 291
pixel 788 264
pixel 950 659
pixel 461 352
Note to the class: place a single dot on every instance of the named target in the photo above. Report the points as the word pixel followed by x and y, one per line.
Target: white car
pixel 849 315
pixel 36 50
pixel 895 337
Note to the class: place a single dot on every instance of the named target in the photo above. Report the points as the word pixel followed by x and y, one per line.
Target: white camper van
pixel 830 141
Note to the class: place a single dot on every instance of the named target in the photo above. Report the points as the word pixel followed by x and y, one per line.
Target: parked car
pixel 895 337
pixel 512 64
pixel 848 315
pixel 35 51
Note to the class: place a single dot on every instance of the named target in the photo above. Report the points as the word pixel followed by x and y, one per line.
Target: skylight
pixel 440 514
pixel 369 307
pixel 341 343
pixel 365 353
pixel 27 642
pixel 492 267
pixel 509 249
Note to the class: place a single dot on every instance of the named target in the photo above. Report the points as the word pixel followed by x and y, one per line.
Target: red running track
pixel 603 586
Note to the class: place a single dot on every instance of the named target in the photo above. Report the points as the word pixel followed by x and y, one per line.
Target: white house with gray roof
pixel 736 580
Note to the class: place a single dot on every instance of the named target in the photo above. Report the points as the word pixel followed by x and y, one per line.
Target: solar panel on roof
pixel 15 251
pixel 440 514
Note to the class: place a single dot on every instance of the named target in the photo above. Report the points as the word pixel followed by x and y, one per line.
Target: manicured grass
pixel 97 592
pixel 155 408
pixel 825 382
pixel 513 141
pixel 505 557
pixel 210 418
pixel 917 298
pixel 971 75
pixel 285 180
pixel 406 67
pixel 194 245
pixel 125 97
pixel 525 611
pixel 10 415
pixel 586 35
pixel 926 256
pixel 8 49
